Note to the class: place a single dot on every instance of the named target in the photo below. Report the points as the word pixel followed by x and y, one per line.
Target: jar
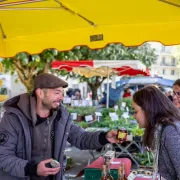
pixel 121 134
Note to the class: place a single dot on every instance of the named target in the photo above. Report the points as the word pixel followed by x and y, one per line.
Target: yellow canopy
pixel 34 25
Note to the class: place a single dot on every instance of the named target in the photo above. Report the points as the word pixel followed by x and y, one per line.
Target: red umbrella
pixel 126 70
pixel 121 66
pixel 103 68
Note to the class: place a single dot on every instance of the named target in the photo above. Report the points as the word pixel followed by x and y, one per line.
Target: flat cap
pixel 48 81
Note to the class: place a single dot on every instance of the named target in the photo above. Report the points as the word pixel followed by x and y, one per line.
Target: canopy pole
pixel 107 97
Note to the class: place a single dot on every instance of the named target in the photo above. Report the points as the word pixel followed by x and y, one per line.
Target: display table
pixel 94 170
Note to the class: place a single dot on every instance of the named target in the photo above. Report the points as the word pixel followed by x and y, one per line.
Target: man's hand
pixel 42 170
pixel 111 137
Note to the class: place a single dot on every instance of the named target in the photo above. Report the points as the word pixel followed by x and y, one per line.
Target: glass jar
pixel 121 134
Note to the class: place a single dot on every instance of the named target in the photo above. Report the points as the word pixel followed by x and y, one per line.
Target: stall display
pixel 94 170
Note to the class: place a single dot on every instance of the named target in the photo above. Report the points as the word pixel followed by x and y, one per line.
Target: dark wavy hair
pixel 158 109
pixel 177 82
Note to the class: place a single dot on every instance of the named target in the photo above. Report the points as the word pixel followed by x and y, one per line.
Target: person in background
pixel 161 120
pixel 127 93
pixel 76 95
pixel 34 130
pixel 169 95
pixel 176 93
pixel 104 99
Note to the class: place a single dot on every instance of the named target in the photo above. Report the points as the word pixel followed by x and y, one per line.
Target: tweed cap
pixel 48 81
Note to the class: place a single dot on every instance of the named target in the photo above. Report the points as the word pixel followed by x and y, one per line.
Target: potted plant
pixel 137 133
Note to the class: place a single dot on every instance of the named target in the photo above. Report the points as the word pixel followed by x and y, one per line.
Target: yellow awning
pixel 35 25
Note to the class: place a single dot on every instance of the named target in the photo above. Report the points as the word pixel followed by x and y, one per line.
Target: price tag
pixel 84 103
pixel 125 115
pixel 74 116
pixel 115 162
pixel 88 118
pixel 98 113
pixel 116 107
pixel 127 109
pixel 76 103
pixel 114 116
pixel 123 104
pixel 131 176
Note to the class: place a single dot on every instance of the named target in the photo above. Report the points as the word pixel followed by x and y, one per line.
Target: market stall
pixel 103 68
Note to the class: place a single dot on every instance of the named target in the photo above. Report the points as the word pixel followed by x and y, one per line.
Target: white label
pixel 84 103
pixel 98 113
pixel 116 107
pixel 125 115
pixel 123 104
pixel 127 109
pixel 67 100
pixel 76 103
pixel 114 116
pixel 131 176
pixel 74 116
pixel 88 118
pixel 115 162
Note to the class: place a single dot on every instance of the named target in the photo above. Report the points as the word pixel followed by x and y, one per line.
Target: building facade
pixel 167 65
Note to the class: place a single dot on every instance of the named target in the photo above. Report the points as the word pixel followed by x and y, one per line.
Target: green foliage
pixel 144 159
pixel 136 131
pixel 29 66
pixel 82 111
pixel 82 124
pixel 70 163
pixel 105 112
pixel 128 102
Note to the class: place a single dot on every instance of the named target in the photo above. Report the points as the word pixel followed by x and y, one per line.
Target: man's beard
pixel 57 108
pixel 49 106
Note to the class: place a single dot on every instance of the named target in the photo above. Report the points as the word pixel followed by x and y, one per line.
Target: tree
pixel 144 53
pixel 29 66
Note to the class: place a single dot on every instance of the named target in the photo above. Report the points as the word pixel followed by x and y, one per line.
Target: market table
pixel 94 170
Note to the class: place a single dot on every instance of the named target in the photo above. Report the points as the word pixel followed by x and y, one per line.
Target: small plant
pixel 83 124
pixel 128 102
pixel 136 131
pixel 144 159
pixel 70 163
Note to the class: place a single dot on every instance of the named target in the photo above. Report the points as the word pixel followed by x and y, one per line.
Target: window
pixel 172 72
pixel 173 61
pixel 163 60
pixel 163 71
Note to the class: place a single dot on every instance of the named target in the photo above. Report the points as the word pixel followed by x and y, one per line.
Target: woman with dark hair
pixel 161 120
pixel 176 93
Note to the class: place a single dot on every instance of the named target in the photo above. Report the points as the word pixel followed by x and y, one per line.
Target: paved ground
pixel 80 158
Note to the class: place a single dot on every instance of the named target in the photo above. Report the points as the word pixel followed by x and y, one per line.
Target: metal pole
pixel 107 98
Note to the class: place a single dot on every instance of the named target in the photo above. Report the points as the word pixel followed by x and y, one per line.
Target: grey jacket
pixel 169 154
pixel 15 137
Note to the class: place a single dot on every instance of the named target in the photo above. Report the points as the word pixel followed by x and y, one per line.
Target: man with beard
pixel 34 131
